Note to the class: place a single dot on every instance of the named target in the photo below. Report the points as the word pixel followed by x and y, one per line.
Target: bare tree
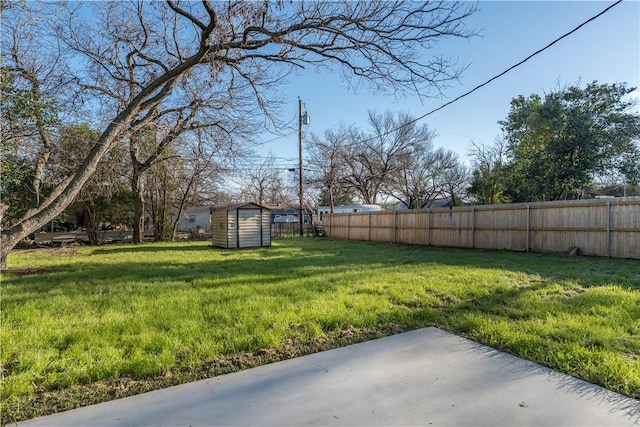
pixel 198 100
pixel 379 43
pixel 456 181
pixel 419 180
pixel 327 166
pixel 415 173
pixel 395 159
pixel 201 161
pixel 148 147
pixel 264 183
pixel 374 161
pixel 175 184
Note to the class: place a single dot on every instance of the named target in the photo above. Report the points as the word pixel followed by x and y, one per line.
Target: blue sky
pixel 607 50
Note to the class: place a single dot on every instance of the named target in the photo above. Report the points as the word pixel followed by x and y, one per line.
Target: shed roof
pixel 248 205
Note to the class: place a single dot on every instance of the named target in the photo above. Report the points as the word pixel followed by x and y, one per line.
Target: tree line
pixel 571 143
pixel 142 74
pixel 568 144
pixel 393 160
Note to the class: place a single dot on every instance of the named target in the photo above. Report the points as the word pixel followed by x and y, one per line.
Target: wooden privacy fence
pixel 608 228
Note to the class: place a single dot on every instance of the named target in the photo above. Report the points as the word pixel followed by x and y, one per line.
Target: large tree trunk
pixel 149 96
pixel 92 225
pixel 138 207
pixel 16 233
pixel 63 195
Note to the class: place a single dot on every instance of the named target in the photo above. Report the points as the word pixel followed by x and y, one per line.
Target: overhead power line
pixel 497 76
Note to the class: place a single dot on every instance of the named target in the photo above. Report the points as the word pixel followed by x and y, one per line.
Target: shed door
pixel 266 228
pixel 249 228
pixel 219 229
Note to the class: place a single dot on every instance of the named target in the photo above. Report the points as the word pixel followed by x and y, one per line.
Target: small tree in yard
pixel 201 168
pixel 121 64
pixel 159 188
pixel 105 191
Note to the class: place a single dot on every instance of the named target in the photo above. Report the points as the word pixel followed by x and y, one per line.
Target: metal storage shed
pixel 245 225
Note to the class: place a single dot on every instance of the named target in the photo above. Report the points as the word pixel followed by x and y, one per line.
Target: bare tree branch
pixel 130 61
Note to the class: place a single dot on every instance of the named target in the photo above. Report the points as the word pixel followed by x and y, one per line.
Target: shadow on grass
pixel 262 274
pixel 153 247
pixel 310 260
pixel 321 266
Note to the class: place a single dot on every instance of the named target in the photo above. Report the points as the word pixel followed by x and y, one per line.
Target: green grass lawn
pixel 104 322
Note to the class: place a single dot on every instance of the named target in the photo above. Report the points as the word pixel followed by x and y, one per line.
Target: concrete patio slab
pixel 426 377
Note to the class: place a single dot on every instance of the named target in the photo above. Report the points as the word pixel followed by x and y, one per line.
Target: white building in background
pixel 345 209
pixel 194 219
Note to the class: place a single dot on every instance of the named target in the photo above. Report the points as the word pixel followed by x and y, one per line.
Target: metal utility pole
pixel 300 188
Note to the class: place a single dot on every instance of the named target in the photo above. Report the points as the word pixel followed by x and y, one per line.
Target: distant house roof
pixel 248 205
pixel 442 202
pixel 196 208
pixel 288 210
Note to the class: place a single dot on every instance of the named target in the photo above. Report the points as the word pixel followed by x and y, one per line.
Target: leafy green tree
pixel 557 144
pixel 15 185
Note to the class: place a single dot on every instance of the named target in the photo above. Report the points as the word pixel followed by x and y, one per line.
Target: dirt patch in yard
pixel 67 248
pixel 29 271
pixel 55 249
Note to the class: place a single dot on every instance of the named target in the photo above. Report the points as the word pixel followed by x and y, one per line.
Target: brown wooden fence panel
pixel 556 227
pixel 412 227
pixel 624 237
pixel 501 227
pixel 359 227
pixel 451 227
pixel 336 226
pixel 596 227
pixel 382 226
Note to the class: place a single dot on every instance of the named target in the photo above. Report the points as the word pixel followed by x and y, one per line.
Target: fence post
pixel 528 227
pixel 369 226
pixel 473 227
pixel 608 228
pixel 428 227
pixel 348 226
pixel 395 227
